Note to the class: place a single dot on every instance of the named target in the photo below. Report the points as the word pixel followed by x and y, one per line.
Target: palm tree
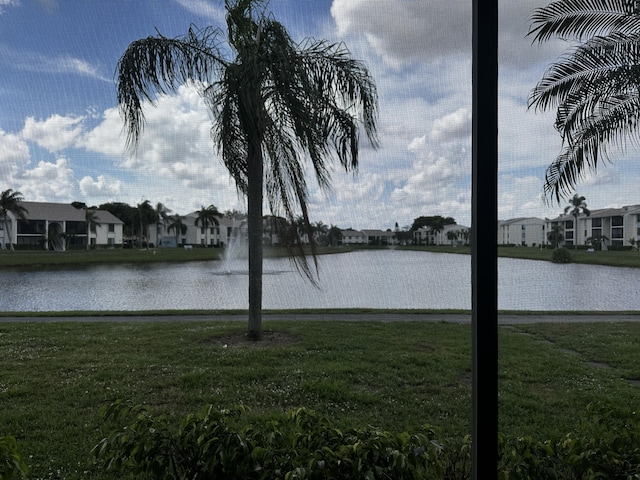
pixel 577 205
pixel 555 235
pixel 206 217
pixel 10 202
pixel 274 103
pixel 452 236
pixel 92 221
pixel 595 86
pixel 176 223
pixel 437 225
pixel 146 216
pixel 162 215
pixel 334 236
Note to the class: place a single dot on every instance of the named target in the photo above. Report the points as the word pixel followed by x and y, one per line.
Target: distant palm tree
pixel 452 236
pixel 595 86
pixel 146 216
pixel 437 225
pixel 334 236
pixel 176 223
pixel 92 222
pixel 162 215
pixel 206 217
pixel 275 103
pixel 555 235
pixel 577 205
pixel 10 202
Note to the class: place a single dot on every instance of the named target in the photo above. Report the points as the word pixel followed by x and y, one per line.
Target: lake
pixel 361 279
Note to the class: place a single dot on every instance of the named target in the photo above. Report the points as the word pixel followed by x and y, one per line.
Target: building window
pixel 112 228
pixel 111 241
pixel 568 235
pixel 596 222
pixel 617 232
pixel 568 224
pixel 617 221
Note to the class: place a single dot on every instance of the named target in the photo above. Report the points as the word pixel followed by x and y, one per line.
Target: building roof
pixel 520 220
pixel 64 212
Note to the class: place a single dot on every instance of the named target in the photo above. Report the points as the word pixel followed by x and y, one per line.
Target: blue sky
pixel 61 136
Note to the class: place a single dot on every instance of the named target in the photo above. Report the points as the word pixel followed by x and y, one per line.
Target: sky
pixel 62 138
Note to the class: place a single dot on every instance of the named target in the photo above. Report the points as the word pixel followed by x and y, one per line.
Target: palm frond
pixel 615 121
pixel 159 65
pixel 578 19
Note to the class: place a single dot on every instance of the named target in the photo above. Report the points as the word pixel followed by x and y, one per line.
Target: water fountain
pixel 234 259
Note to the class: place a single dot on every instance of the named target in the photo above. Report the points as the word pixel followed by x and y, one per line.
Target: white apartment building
pixel 523 231
pixel 608 227
pixel 450 235
pixel 59 226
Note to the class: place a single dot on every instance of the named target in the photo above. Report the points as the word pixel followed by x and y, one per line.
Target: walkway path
pixel 509 319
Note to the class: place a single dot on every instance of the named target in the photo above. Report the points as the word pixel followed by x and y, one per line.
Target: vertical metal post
pixel 484 253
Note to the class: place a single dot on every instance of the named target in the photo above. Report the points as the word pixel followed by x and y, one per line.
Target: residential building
pixel 379 237
pixel 60 226
pixel 602 228
pixel 522 231
pixel 453 234
pixel 354 237
pixel 197 235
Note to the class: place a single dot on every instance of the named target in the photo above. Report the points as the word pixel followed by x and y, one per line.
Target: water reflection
pixel 365 279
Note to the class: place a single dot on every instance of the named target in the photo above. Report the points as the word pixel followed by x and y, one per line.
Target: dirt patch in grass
pixel 269 339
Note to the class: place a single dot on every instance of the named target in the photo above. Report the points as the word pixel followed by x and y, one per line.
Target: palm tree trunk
pixel 255 227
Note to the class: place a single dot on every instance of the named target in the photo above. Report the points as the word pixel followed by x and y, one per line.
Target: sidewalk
pixel 510 319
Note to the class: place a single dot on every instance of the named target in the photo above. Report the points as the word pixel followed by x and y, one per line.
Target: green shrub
pixel 605 445
pixel 11 465
pixel 560 255
pixel 298 445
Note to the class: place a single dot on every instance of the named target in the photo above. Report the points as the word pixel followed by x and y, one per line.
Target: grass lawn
pixel 396 376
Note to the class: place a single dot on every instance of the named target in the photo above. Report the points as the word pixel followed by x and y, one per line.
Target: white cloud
pixel 204 9
pixel 49 182
pixel 103 187
pixel 14 155
pixel 56 133
pixel 61 64
pixel 402 31
pixel 8 3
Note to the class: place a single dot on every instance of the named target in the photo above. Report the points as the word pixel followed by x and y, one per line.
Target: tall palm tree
pixel 162 215
pixel 10 202
pixel 577 205
pixel 274 102
pixel 92 222
pixel 176 223
pixel 595 86
pixel 146 216
pixel 206 217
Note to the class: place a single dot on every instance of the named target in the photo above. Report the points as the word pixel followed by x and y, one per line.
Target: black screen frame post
pixel 484 245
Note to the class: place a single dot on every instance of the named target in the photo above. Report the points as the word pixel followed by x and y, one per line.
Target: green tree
pixel 176 223
pixel 274 104
pixel 577 205
pixel 206 217
pixel 11 202
pixel 436 226
pixel 595 86
pixel 334 236
pixel 124 212
pixel 555 235
pixel 92 222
